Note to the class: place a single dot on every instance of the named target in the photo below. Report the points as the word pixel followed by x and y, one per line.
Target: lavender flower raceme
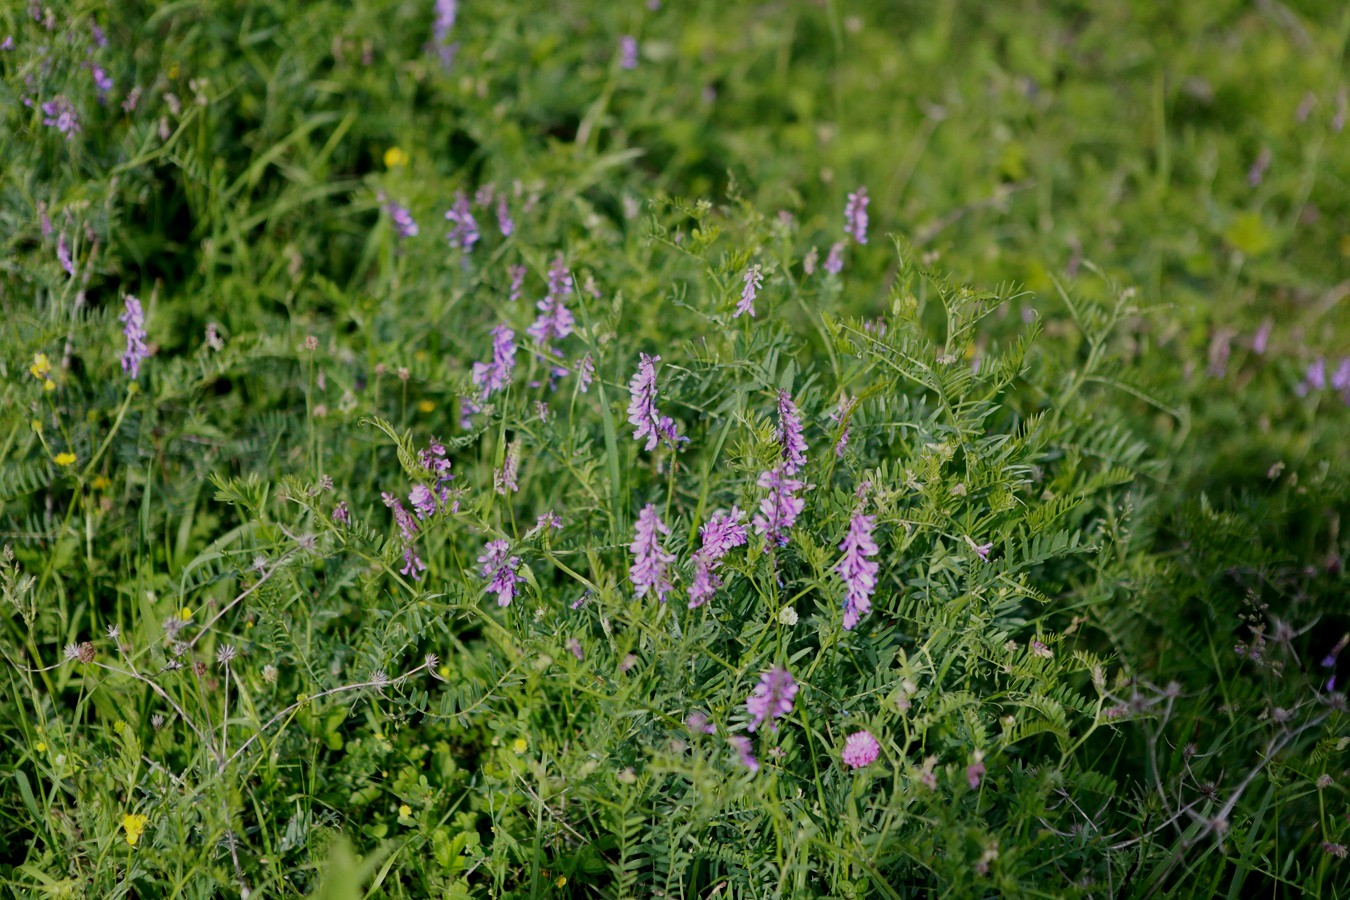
pixel 642 406
pixel 434 461
pixel 404 225
pixel 860 749
pixel 834 261
pixel 134 329
pixel 407 526
pixel 517 281
pixel 840 415
pixel 63 255
pixel 585 373
pixel 720 534
pixel 628 52
pixel 499 569
pixel 463 233
pixel 650 560
pixel 102 81
pixel 446 11
pixel 754 280
pixel 779 510
pixel 772 698
pixel 859 573
pixel 790 438
pixel 496 375
pixel 554 320
pixel 60 114
pixel 422 500
pixel 745 751
pixel 504 221
pixel 855 215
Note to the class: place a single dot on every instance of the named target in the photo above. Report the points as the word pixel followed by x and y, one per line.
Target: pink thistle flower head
pixel 772 698
pixel 651 561
pixel 860 749
pixel 857 570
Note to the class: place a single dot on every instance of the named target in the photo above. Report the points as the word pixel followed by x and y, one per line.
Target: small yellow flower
pixel 394 158
pixel 444 670
pixel 405 811
pixel 100 483
pixel 41 747
pixel 65 459
pixel 562 880
pixel 41 366
pixel 49 385
pixel 520 745
pixel 134 826
pixel 425 406
pixel 185 614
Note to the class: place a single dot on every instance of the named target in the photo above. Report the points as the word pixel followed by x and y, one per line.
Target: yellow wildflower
pixel 425 406
pixel 520 745
pixel 134 826
pixel 65 459
pixel 562 881
pixel 394 158
pixel 49 385
pixel 41 366
pixel 100 483
pixel 405 811
pixel 41 747
pixel 185 614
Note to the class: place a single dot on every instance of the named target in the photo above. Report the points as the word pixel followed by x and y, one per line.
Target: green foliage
pixel 1108 492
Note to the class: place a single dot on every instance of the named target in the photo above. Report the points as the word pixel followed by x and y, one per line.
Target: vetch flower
pixel 134 330
pixel 496 375
pixel 507 478
pixel 779 510
pixel 745 751
pixel 720 534
pixel 628 52
pixel 790 439
pixel 860 749
pixel 404 225
pixel 650 560
pixel 60 114
pixel 981 550
pixel 463 233
pixel 554 321
pixel 63 255
pixel 855 215
pixel 858 572
pixel 422 500
pixel 975 772
pixel 754 280
pixel 772 698
pixel 834 262
pixel 446 11
pixel 499 568
pixel 585 373
pixel 504 222
pixel 340 513
pixel 642 406
pixel 517 274
pixel 841 416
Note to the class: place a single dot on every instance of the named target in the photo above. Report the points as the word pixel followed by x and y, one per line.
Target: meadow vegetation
pixel 838 448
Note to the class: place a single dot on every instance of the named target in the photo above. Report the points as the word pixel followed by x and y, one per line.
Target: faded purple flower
pixel 133 329
pixel 772 698
pixel 7 43
pixel 507 478
pixel 102 82
pixel 340 513
pixel 463 233
pixel 444 23
pixel 698 723
pixel 779 510
pixel 790 439
pixel 834 262
pixel 754 280
pixel 422 500
pixel 63 255
pixel 1262 337
pixel 841 416
pixel 494 376
pixel 745 751
pixel 133 99
pixel 60 114
pixel 44 220
pixel 975 772
pixel 642 406
pixel 585 373
pixel 860 749
pixel 549 519
pixel 1314 377
pixel 517 274
pixel 504 222
pixel 855 215
pixel 858 572
pixel 554 321
pixel 574 647
pixel 809 261
pixel 628 52
pixel 434 461
pixel 651 561
pixel 404 225
pixel 499 568
pixel 100 39
pixel 981 550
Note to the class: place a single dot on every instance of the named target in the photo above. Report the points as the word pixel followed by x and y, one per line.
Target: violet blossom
pixel 858 572
pixel 134 331
pixel 642 406
pixel 651 561
pixel 628 52
pixel 754 280
pixel 585 373
pixel 446 11
pixel 745 752
pixel 504 222
pixel 855 215
pixel 63 255
pixel 407 526
pixel 554 321
pixel 779 510
pixel 499 568
pixel 772 698
pixel 464 231
pixel 60 114
pixel 517 274
pixel 834 261
pixel 841 417
pixel 404 225
pixel 790 439
pixel 720 534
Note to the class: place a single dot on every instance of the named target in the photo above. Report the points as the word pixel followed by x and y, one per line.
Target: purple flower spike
pixel 860 750
pixel 745 751
pixel 499 568
pixel 628 52
pixel 463 233
pixel 496 375
pixel 855 215
pixel 790 434
pixel 779 510
pixel 859 573
pixel 754 280
pixel 504 222
pixel 554 321
pixel 834 262
pixel 650 560
pixel 134 330
pixel 446 11
pixel 642 410
pixel 720 534
pixel 841 414
pixel 404 226
pixel 772 698
pixel 517 282
pixel 60 114
pixel 63 255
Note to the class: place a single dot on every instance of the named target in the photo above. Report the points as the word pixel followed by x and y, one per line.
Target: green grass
pixel 1108 247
